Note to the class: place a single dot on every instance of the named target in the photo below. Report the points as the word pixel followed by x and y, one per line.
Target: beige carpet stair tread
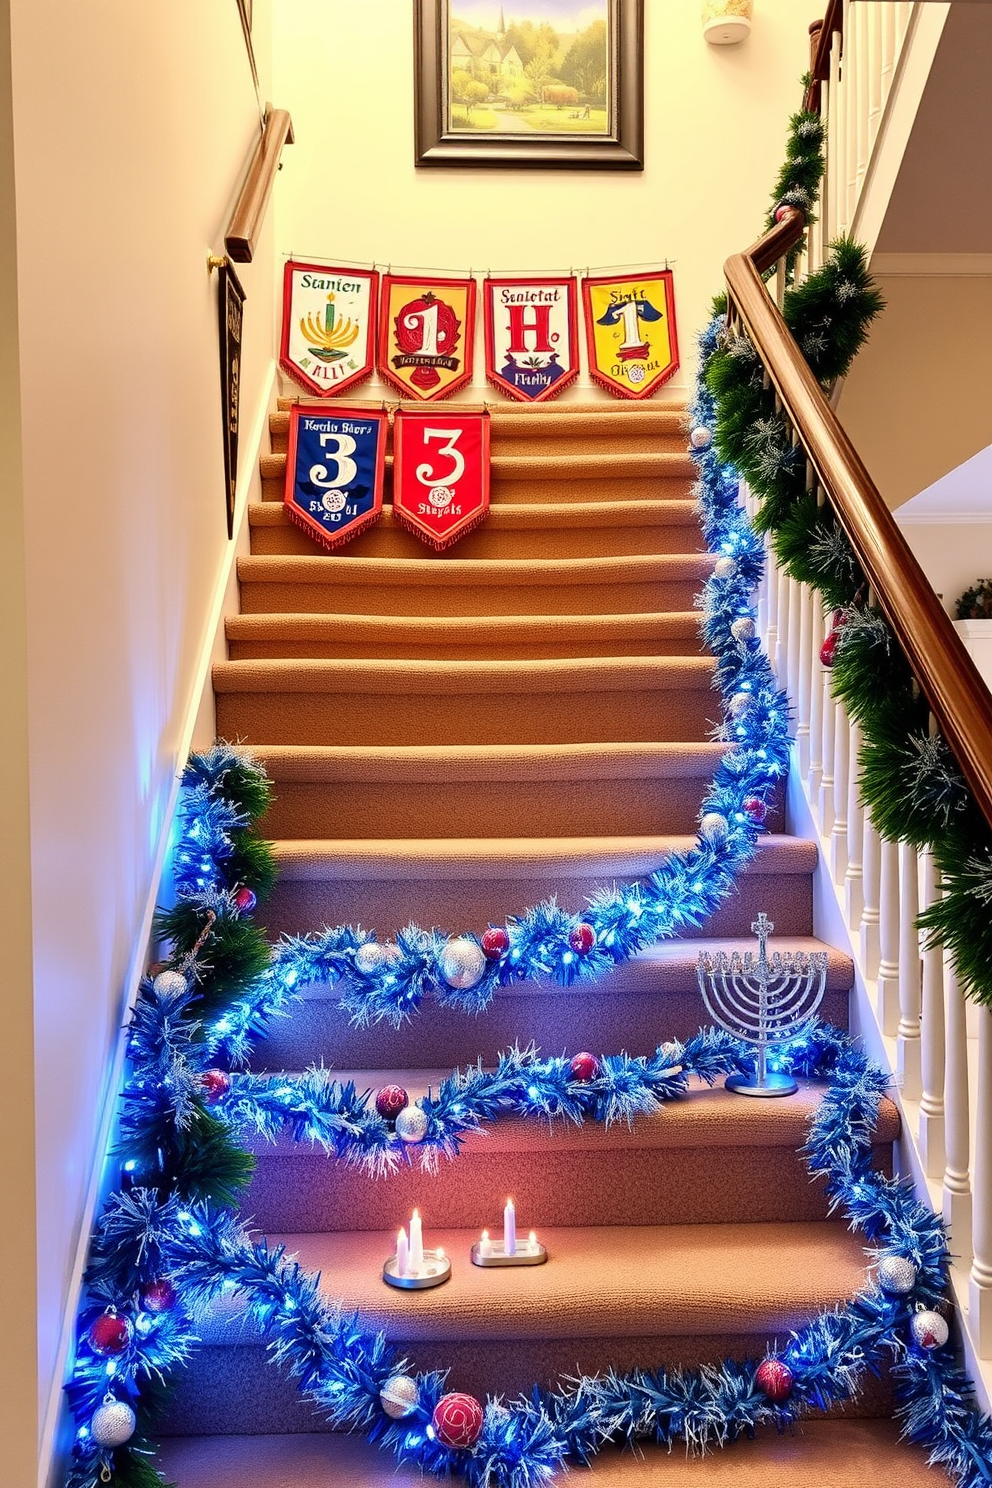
pixel 446 570
pixel 818 1453
pixel 444 763
pixel 664 1281
pixel 509 518
pixel 705 1117
pixel 407 678
pixel 658 971
pixel 578 466
pixel 448 859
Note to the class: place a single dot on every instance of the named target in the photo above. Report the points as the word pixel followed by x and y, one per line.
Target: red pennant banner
pixel 426 334
pixel 532 349
pixel 440 473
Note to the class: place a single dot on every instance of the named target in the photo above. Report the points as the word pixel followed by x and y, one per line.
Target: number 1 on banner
pixel 440 475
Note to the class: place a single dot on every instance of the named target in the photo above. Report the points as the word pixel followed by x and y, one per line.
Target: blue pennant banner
pixel 334 471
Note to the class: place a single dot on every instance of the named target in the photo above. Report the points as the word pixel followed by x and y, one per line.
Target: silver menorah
pixel 763 1002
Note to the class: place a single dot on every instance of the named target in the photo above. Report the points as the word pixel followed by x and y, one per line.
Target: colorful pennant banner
pixel 631 341
pixel 427 334
pixel 328 326
pixel 440 473
pixel 532 349
pixel 334 471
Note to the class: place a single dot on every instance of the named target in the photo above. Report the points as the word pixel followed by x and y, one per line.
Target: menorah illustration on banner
pixel 763 1002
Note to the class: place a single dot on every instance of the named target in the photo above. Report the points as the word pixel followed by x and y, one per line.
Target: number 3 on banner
pixel 425 472
pixel 347 469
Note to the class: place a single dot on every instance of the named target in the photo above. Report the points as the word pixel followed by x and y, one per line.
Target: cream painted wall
pixel 918 400
pixel 715 123
pixel 133 124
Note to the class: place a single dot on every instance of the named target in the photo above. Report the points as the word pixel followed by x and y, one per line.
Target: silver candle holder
pixel 435 1271
pixel 763 1003
pixel 494 1253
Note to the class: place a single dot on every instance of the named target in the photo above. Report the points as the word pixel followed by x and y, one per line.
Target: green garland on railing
pixel 910 781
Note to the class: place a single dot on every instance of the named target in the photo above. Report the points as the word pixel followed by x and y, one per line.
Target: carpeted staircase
pixel 453 738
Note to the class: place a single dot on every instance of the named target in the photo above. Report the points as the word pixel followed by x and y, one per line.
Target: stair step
pixel 391 882
pixel 645 1296
pixel 581 428
pixel 461 637
pixel 645 1174
pixel 652 997
pixel 818 1453
pixel 629 699
pixel 509 790
pixel 440 585
pixel 596 476
pixel 560 530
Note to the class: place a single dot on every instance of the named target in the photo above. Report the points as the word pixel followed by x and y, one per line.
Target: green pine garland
pixel 910 781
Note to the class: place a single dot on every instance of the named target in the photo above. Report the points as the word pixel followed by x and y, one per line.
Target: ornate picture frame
pixel 447 135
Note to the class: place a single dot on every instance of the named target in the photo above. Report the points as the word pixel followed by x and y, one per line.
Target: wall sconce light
pixel 726 22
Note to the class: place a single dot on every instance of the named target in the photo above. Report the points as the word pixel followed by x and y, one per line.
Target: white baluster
pixel 908 1052
pixel 888 48
pixel 874 72
pixel 887 982
pixel 771 606
pixel 863 104
pixel 854 899
pixel 957 1180
pixel 826 800
pixel 834 145
pixel 971 1009
pixel 871 871
pixel 980 1285
pixel 782 609
pixel 762 605
pixel 795 642
pixel 932 1028
pixel 850 60
pixel 842 767
pixel 807 620
pixel 815 704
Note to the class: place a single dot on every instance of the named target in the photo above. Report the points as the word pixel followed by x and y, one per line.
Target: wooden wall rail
pixel 948 677
pixel 255 193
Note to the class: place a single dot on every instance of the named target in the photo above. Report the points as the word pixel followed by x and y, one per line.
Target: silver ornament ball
pixel 112 1424
pixel 725 568
pixel 399 1397
pixel 411 1124
pixel 713 828
pixel 929 1330
pixel 740 703
pixel 170 984
pixel 701 437
pixel 896 1274
pixel 370 957
pixel 671 1053
pixel 462 963
pixel 743 629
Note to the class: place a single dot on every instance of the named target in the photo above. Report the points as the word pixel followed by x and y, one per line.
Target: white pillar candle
pixel 416 1244
pixel 402 1254
pixel 510 1229
pixel 485 1244
pixel 532 1240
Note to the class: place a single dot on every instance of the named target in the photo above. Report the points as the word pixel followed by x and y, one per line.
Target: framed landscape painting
pixel 545 83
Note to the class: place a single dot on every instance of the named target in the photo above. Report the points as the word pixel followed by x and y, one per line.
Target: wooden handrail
pixel 246 222
pixel 945 672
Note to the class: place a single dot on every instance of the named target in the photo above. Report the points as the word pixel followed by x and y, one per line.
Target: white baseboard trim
pixel 197 731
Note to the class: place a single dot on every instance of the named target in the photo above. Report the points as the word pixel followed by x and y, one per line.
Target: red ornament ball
pixel 244 900
pixel 159 1296
pixel 584 1066
pixel 774 1379
pixel 110 1334
pixel 457 1420
pixel 390 1101
pixel 582 938
pixel 827 649
pixel 780 212
pixel 215 1084
pixel 495 943
pixel 755 808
